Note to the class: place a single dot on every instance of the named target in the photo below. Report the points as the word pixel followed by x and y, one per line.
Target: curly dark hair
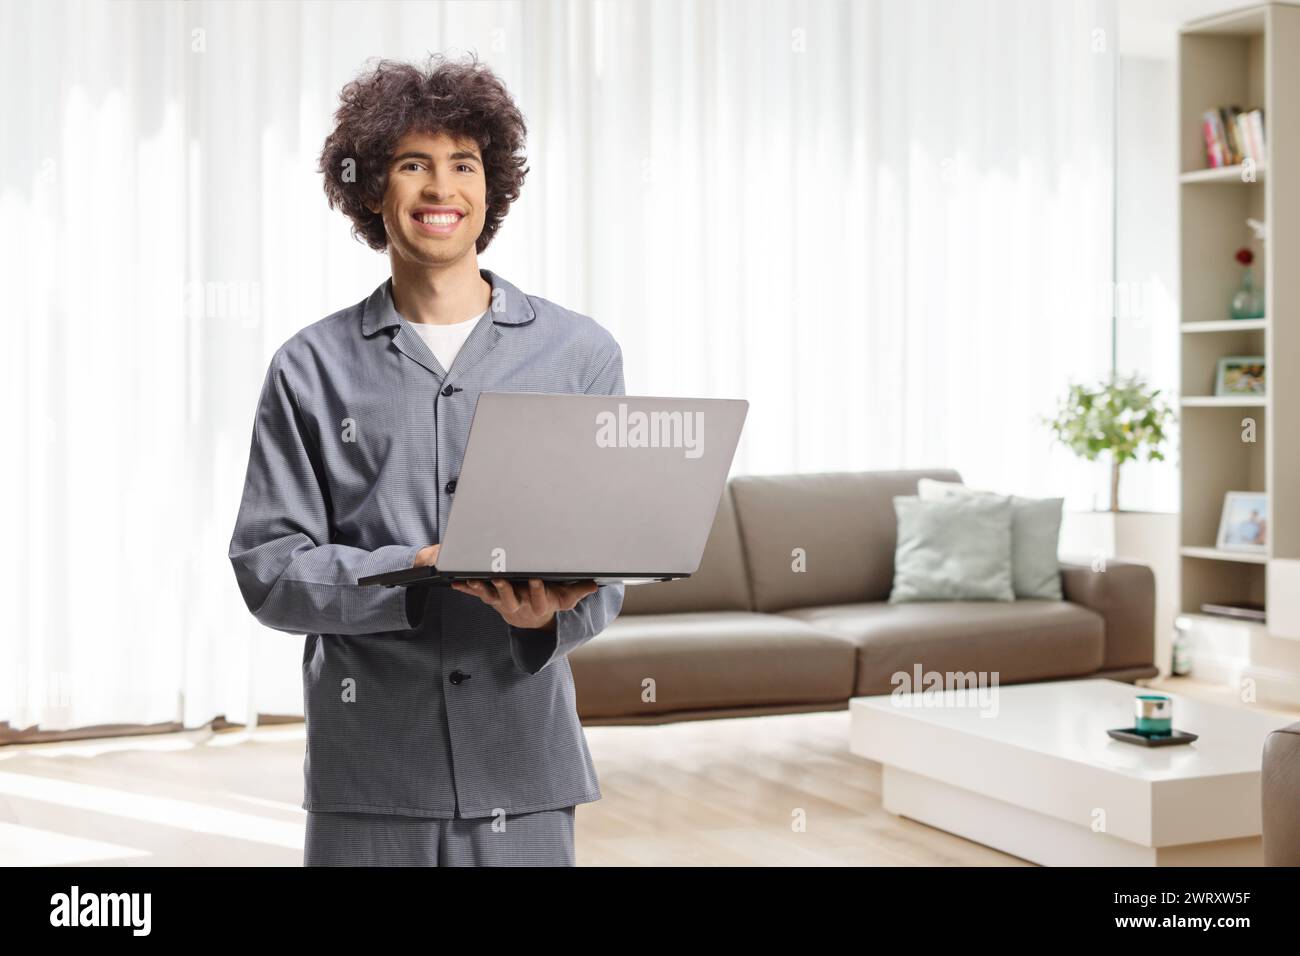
pixel 462 99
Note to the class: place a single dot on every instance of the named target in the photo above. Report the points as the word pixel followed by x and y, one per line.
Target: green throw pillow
pixel 1035 538
pixel 954 549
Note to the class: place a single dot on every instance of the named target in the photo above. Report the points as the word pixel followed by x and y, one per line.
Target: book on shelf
pixel 1232 136
pixel 1244 611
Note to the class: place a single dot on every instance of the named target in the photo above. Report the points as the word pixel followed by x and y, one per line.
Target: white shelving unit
pixel 1248 58
pixel 1223 174
pixel 1228 401
pixel 1227 325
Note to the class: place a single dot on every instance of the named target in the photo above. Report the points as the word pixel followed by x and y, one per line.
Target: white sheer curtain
pixel 886 224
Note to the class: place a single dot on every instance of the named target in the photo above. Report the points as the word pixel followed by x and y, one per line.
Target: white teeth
pixel 442 219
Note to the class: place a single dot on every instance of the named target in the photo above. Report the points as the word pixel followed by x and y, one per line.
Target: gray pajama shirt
pixel 420 702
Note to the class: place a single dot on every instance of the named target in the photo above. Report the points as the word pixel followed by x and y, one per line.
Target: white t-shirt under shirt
pixel 444 341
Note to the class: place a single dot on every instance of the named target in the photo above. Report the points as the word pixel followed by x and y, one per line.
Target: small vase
pixel 1248 302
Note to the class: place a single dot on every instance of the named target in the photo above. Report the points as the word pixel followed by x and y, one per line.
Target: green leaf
pixel 1124 418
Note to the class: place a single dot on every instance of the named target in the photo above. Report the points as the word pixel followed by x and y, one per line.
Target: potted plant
pixel 1122 418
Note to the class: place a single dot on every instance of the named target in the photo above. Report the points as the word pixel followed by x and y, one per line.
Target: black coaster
pixel 1130 736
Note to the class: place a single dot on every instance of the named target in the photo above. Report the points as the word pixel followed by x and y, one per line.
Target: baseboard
pixel 1273 686
pixel 1219 668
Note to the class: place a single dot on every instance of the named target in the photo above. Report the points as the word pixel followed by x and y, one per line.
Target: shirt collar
pixel 508 306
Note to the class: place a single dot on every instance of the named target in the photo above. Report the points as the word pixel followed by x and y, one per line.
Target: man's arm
pixel 534 649
pixel 290 576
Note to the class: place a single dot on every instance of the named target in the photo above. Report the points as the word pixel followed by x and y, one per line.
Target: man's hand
pixel 531 608
pixel 535 607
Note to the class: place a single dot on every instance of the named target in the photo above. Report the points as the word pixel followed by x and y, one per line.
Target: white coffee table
pixel 1038 777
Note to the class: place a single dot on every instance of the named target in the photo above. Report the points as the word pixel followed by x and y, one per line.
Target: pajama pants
pixel 541 838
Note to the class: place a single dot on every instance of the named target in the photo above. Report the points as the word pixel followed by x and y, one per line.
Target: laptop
pixel 565 488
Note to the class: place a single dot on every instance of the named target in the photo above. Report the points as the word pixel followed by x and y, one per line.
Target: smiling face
pixel 436 199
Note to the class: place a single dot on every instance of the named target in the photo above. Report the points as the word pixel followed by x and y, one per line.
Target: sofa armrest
pixel 1124 594
pixel 1280 797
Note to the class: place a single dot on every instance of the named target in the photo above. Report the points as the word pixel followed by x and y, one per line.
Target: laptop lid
pixel 608 486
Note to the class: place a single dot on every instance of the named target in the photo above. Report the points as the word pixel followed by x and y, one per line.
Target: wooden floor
pixel 755 791
pixel 751 791
pixel 759 791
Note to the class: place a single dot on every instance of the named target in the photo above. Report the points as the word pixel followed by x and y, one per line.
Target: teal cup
pixel 1155 714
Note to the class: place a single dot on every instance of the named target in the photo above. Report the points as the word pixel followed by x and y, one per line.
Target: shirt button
pixel 447 390
pixel 451 487
pixel 458 677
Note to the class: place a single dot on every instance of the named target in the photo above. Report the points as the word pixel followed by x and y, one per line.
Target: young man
pixel 441 726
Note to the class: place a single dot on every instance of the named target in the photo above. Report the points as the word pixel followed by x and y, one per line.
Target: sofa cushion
pixel 1020 640
pixel 955 549
pixel 1035 536
pixel 709 660
pixel 843 522
pixel 720 583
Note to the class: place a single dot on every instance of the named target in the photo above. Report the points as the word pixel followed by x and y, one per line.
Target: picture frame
pixel 1241 375
pixel 1243 524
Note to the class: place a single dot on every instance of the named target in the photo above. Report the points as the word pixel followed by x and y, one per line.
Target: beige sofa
pixel 747 634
